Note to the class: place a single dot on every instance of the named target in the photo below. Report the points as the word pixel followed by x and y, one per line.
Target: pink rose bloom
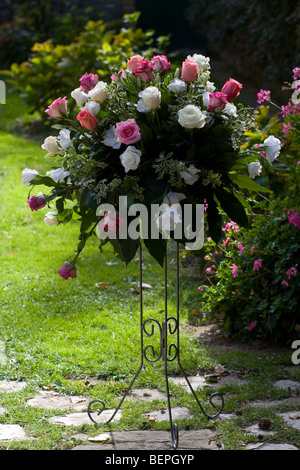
pixel 67 270
pixel 119 76
pixel 217 101
pixel 144 70
pixel 161 63
pixel 232 89
pixel 111 222
pixel 58 108
pixel 133 62
pixel 36 202
pixel 87 119
pixel 88 81
pixel 128 132
pixel 189 71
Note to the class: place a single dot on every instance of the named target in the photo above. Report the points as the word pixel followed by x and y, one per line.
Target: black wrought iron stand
pixel 167 352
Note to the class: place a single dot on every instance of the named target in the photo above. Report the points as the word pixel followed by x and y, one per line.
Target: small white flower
pixel 254 169
pixel 177 85
pixel 99 93
pixel 79 96
pixel 58 175
pixel 202 61
pixel 64 137
pixel 191 117
pixel 51 218
pixel 130 159
pixel 151 97
pixel 210 87
pixel 230 109
pixel 28 175
pixel 111 138
pixel 272 148
pixel 93 107
pixel 189 175
pixel 51 146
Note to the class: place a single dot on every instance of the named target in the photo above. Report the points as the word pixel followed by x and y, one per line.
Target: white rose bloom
pixel 130 159
pixel 230 109
pixel 177 85
pixel 173 198
pixel 51 146
pixel 93 107
pixel 210 87
pixel 111 138
pixel 206 99
pixel 65 139
pixel 28 175
pixel 99 93
pixel 191 116
pixel 151 96
pixel 202 61
pixel 254 169
pixel 58 175
pixel 272 148
pixel 79 96
pixel 169 217
pixel 141 107
pixel 51 218
pixel 189 175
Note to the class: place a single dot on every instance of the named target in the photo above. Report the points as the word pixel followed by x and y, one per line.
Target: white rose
pixel 230 109
pixel 202 61
pixel 272 148
pixel 189 175
pixel 177 85
pixel 58 175
pixel 111 138
pixel 206 99
pixel 79 96
pixel 28 175
pixel 169 217
pixel 130 159
pixel 254 169
pixel 64 138
pixel 51 146
pixel 210 87
pixel 51 218
pixel 173 198
pixel 191 116
pixel 93 107
pixel 99 93
pixel 151 96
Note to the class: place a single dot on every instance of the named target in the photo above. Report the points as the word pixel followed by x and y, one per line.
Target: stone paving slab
pixel 78 419
pixel 53 400
pixel 11 386
pixel 11 432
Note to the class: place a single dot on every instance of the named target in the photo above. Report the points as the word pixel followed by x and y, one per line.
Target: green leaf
pixel 125 249
pixel 157 249
pixel 233 208
pixel 244 181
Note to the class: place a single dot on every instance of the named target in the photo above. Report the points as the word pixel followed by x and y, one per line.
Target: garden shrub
pixel 251 279
pixel 53 70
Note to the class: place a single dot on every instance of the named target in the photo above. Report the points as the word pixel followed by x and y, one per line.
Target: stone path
pixel 74 414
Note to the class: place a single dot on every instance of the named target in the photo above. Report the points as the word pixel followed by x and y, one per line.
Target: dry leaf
pixel 104 284
pixel 295 416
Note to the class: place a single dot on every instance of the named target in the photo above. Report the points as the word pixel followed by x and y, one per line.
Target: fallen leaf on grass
pixel 104 284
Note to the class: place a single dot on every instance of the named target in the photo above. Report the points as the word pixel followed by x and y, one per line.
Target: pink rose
pixel 128 132
pixel 111 222
pixel 67 270
pixel 217 101
pixel 144 70
pixel 232 89
pixel 87 119
pixel 189 71
pixel 88 81
pixel 161 63
pixel 133 62
pixel 58 108
pixel 118 76
pixel 36 202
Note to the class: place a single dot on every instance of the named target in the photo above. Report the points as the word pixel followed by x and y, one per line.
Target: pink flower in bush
pixel 87 119
pixel 111 222
pixel 294 219
pixel 285 283
pixel 263 95
pixel 144 70
pixel 118 76
pixel 234 270
pixel 189 71
pixel 292 271
pixel 36 202
pixel 231 225
pixel 67 270
pixel 296 73
pixel 257 264
pixel 128 132
pixel 241 248
pixel 217 101
pixel 252 325
pixel 161 63
pixel 232 89
pixel 133 62
pixel 88 81
pixel 58 108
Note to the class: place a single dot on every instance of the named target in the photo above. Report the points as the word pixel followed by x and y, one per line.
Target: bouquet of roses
pixel 152 137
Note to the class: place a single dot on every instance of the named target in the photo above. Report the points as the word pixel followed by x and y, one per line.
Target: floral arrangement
pixel 157 136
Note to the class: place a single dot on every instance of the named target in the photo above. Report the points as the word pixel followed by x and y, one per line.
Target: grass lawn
pixel 60 334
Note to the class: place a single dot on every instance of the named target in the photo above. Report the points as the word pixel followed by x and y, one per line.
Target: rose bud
pixel 87 119
pixel 88 81
pixel 58 108
pixel 67 270
pixel 232 89
pixel 190 70
pixel 37 202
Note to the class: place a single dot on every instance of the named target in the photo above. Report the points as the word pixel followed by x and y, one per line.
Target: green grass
pixel 62 334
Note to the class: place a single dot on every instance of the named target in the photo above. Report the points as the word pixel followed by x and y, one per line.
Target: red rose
pixel 232 89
